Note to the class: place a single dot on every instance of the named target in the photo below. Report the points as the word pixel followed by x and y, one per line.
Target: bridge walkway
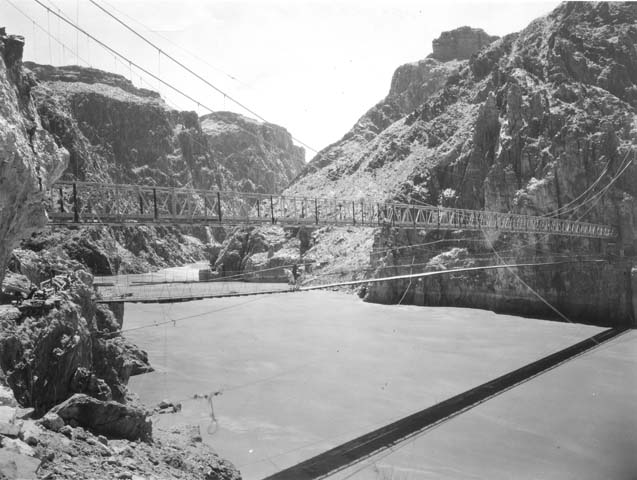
pixel 86 204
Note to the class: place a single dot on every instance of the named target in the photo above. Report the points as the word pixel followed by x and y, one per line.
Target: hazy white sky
pixel 313 66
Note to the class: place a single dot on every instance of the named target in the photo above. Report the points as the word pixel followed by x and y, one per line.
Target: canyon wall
pixel 118 133
pixel 539 122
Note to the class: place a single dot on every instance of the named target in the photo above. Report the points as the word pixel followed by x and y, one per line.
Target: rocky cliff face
pixel 539 122
pixel 360 164
pixel 31 160
pixel 117 133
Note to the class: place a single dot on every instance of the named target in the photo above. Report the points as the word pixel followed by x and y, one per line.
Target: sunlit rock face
pixel 534 123
pixel 526 124
pixel 30 160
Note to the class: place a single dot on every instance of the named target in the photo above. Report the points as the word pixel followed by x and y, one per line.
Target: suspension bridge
pixel 92 204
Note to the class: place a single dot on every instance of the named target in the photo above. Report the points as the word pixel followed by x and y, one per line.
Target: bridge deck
pixel 82 203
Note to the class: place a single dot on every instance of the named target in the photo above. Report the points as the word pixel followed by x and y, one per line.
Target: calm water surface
pixel 303 372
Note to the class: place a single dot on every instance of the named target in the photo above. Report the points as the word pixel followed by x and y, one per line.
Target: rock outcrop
pixel 68 345
pixel 539 122
pixel 460 43
pixel 31 160
pixel 111 419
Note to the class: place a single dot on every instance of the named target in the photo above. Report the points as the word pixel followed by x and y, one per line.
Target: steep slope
pixel 371 159
pixel 527 124
pixel 539 122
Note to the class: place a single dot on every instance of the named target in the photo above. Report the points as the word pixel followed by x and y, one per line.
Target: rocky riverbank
pixel 64 408
pixel 61 448
pixel 65 411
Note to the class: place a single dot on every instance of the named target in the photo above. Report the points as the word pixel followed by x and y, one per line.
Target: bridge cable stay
pixel 570 211
pixel 189 70
pixel 608 187
pixel 531 289
pixel 563 208
pixel 188 317
pixel 48 29
pixel 622 168
pixel 599 195
pixel 411 270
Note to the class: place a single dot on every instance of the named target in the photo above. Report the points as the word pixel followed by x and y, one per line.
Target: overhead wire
pixel 559 211
pixel 185 50
pixel 189 70
pixel 623 168
pixel 601 193
pixel 43 29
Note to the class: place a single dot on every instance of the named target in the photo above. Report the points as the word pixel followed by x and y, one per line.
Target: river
pixel 302 372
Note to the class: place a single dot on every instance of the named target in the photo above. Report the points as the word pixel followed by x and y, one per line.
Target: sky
pixel 313 67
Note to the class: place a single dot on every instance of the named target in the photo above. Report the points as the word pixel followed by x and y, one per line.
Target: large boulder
pixel 111 419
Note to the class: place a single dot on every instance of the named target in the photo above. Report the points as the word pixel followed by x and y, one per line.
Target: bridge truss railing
pixel 95 203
